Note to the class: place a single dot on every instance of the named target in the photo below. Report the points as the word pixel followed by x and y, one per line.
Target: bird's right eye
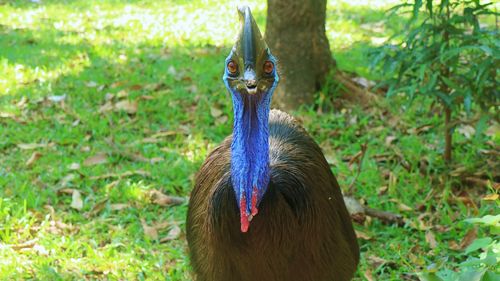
pixel 232 67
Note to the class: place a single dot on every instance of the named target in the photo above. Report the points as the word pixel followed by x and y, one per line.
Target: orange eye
pixel 232 67
pixel 268 67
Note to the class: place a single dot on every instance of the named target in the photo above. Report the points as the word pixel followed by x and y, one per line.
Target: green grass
pixel 168 57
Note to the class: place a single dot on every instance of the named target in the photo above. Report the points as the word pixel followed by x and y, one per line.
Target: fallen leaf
pixel 215 112
pixel 469 237
pixel 155 160
pixel 173 234
pixel 66 180
pixel 91 84
pixel 389 140
pixel 97 208
pixel 467 130
pixel 491 197
pixel 221 120
pixel 122 94
pixel 136 87
pixel 149 231
pixel 128 106
pixel 122 175
pixel 97 159
pixel 27 244
pixel 431 239
pixel 74 166
pixel 35 156
pixel 57 98
pixel 368 274
pixel 376 261
pixel 404 208
pixel 363 235
pixel 108 106
pixel 76 200
pixel 157 197
pixel 30 146
pixel 119 206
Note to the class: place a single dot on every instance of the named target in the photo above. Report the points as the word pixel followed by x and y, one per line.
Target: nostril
pixel 251 84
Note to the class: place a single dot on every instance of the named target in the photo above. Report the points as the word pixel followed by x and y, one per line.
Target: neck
pixel 250 151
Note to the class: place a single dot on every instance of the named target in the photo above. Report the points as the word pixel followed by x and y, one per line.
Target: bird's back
pixel 302 232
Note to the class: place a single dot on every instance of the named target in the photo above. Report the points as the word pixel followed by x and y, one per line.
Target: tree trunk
pixel 295 33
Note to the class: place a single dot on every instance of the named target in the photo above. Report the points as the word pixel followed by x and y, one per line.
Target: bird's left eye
pixel 268 67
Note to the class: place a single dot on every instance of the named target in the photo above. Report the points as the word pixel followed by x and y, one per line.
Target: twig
pixel 384 216
pixel 360 156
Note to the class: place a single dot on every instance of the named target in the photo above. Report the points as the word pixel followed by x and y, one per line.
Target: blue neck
pixel 250 146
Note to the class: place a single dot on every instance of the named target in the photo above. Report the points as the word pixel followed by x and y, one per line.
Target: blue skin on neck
pixel 250 145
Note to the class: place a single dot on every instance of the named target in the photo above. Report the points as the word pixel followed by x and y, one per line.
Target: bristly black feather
pixel 302 232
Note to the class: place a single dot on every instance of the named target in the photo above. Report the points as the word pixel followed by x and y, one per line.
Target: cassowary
pixel 266 206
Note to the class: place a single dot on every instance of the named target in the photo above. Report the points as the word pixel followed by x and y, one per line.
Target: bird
pixel 265 204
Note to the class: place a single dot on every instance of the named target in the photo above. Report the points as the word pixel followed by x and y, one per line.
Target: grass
pixel 140 84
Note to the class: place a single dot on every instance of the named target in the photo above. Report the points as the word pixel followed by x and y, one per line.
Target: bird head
pixel 250 67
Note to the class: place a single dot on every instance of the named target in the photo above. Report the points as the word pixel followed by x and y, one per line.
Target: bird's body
pixel 303 231
pixel 266 206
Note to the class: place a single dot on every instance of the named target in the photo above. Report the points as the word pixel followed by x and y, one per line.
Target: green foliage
pixel 483 262
pixel 448 55
pixel 445 54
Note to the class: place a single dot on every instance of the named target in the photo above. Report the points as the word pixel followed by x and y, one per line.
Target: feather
pixel 303 230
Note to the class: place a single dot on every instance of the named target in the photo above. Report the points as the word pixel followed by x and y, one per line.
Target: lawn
pixel 108 107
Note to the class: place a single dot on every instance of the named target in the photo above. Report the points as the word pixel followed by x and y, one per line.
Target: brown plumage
pixel 303 231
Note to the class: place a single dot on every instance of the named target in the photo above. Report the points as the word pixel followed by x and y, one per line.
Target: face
pixel 250 76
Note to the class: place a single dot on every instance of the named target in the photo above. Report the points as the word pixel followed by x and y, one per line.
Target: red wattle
pixel 245 223
pixel 254 201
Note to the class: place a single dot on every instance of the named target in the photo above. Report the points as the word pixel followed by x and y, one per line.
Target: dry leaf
pixel 404 208
pixel 122 175
pixel 362 235
pixel 173 234
pixel 76 200
pixel 74 166
pixel 467 130
pixel 368 274
pixel 67 179
pixel 97 159
pixel 157 197
pixel 221 120
pixel 491 197
pixel 155 160
pixel 389 140
pixel 35 156
pixel 97 208
pixel 119 206
pixel 57 98
pixel 29 146
pixel 108 106
pixel 469 237
pixel 128 106
pixel 215 112
pixel 376 261
pixel 431 239
pixel 149 231
pixel 27 244
pixel 91 84
pixel 122 94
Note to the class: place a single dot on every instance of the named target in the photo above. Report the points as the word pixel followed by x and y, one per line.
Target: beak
pixel 250 79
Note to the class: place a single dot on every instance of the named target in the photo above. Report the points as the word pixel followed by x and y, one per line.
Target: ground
pixel 106 107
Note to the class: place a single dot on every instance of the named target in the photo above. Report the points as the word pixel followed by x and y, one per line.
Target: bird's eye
pixel 232 67
pixel 268 67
